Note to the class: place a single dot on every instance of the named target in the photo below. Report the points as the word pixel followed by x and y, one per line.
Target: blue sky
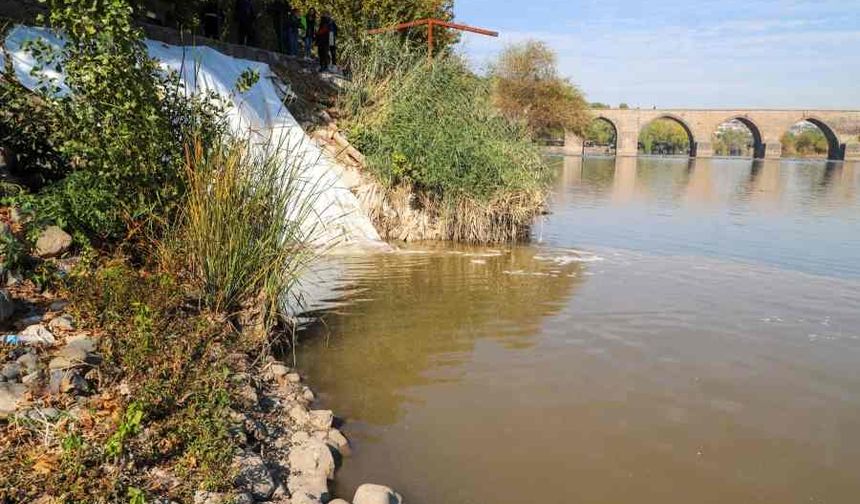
pixel 729 53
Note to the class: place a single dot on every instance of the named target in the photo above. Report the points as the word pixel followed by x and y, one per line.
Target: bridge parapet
pixel 840 127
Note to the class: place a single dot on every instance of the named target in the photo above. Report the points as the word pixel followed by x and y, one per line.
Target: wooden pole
pixel 431 23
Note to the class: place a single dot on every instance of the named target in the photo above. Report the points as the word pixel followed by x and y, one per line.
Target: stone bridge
pixel 840 127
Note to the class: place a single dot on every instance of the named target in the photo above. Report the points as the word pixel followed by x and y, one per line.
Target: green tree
pixel 623 106
pixel 664 135
pixel 600 132
pixel 729 141
pixel 528 89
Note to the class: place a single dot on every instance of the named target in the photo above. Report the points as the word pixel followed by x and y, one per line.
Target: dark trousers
pixel 324 51
pixel 333 51
pixel 246 32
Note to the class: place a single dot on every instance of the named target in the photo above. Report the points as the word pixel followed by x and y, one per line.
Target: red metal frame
pixel 431 23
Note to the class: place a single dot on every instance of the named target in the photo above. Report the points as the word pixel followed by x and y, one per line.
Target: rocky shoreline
pixel 286 452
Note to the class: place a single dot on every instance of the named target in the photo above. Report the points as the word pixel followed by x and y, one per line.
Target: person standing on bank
pixel 333 40
pixel 294 23
pixel 245 18
pixel 310 31
pixel 323 47
pixel 278 10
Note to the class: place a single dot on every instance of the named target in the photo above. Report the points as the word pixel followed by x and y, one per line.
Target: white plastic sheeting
pixel 259 112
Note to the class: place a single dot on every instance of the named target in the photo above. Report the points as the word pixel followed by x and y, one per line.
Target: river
pixel 679 331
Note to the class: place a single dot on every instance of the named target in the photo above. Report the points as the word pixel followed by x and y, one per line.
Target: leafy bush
pixel 434 127
pixel 111 147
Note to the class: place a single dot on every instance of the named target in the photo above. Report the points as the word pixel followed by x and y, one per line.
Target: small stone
pixel 294 378
pixel 203 497
pixel 49 414
pixel 7 305
pixel 376 494
pixel 299 414
pixel 279 370
pixel 321 419
pixel 313 485
pixel 253 476
pixel 73 383
pixel 312 457
pixel 248 396
pixel 11 371
pixel 308 395
pixel 33 380
pixel 62 323
pixel 338 441
pixel 52 242
pixel 10 395
pixel 29 320
pixel 58 305
pixel 28 362
pixel 338 501
pixel 256 429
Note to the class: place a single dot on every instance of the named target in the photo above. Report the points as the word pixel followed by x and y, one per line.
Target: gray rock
pixel 314 485
pixel 279 370
pixel 300 437
pixel 7 306
pixel 312 457
pixel 77 352
pixel 248 396
pixel 28 362
pixel 203 497
pixel 62 323
pixel 338 441
pixel 59 305
pixel 52 242
pixel 321 419
pixel 49 414
pixel 29 320
pixel 294 378
pixel 308 395
pixel 11 371
pixel 299 414
pixel 253 476
pixel 376 494
pixel 338 501
pixel 33 380
pixel 73 383
pixel 10 395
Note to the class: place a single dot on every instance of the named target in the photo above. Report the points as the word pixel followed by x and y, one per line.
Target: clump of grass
pixel 245 228
pixel 433 126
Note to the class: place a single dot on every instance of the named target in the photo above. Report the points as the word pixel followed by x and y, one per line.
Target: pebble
pixel 62 323
pixel 279 370
pixel 10 395
pixel 299 414
pixel 376 494
pixel 321 419
pixel 253 476
pixel 11 371
pixel 29 362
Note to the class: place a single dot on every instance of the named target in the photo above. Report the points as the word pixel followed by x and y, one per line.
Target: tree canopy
pixel 527 88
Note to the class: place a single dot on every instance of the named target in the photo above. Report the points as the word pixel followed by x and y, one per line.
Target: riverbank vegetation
pixel 733 139
pixel 461 143
pixel 186 240
pixel 804 140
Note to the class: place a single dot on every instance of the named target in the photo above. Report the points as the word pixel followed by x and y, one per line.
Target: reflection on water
pixel 682 332
pixel 736 209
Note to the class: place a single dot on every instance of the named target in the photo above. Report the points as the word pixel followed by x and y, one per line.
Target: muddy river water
pixel 679 331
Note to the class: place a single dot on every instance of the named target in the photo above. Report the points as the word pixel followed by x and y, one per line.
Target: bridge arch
pixel 598 138
pixel 834 148
pixel 758 146
pixel 691 139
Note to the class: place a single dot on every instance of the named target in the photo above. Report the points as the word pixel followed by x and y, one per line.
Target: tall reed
pixel 246 230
